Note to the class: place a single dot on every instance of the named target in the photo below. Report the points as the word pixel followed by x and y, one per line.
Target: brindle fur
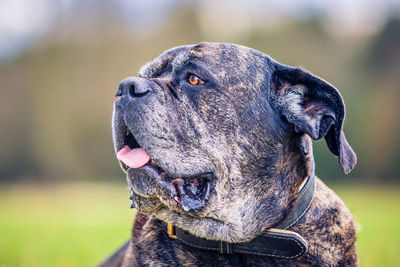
pixel 251 124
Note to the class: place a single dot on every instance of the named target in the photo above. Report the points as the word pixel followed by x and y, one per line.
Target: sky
pixel 25 22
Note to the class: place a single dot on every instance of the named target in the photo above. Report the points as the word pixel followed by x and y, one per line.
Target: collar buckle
pixel 171 231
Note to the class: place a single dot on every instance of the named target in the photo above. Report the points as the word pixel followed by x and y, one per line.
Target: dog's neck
pixel 304 161
pixel 300 155
pixel 285 176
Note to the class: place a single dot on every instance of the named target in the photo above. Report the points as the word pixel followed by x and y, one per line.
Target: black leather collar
pixel 274 242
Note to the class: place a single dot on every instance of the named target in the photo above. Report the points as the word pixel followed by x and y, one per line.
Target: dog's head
pixel 215 138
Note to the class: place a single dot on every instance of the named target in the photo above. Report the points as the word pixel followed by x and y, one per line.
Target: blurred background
pixel 63 199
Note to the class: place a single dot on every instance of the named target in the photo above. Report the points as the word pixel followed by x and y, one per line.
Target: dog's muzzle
pixel 145 176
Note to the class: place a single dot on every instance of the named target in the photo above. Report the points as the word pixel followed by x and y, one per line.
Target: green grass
pixel 376 210
pixel 62 225
pixel 80 224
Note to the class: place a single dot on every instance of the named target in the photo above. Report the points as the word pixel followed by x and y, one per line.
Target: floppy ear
pixel 314 107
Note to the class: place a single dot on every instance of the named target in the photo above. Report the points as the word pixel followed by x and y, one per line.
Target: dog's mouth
pixel 189 193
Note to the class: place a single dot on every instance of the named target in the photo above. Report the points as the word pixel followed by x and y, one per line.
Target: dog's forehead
pixel 212 53
pixel 160 63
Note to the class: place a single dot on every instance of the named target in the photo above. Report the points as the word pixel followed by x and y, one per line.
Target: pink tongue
pixel 134 158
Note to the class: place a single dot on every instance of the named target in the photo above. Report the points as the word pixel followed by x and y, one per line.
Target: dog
pixel 216 142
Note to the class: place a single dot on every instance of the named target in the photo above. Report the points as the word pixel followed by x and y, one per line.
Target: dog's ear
pixel 314 107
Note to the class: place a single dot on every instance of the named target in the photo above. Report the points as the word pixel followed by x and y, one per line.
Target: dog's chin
pixel 182 194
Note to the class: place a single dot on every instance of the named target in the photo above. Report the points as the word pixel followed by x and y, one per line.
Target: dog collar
pixel 274 242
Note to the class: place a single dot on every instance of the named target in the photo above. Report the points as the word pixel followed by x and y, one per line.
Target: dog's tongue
pixel 134 158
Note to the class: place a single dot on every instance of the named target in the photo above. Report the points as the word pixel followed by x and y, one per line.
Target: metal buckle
pixel 171 231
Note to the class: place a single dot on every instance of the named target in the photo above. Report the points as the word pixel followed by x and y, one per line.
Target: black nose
pixel 134 87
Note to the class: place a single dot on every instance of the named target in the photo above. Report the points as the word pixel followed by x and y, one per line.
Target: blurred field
pixel 75 224
pixel 79 224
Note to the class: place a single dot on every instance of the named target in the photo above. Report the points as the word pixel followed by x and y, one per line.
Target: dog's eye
pixel 193 79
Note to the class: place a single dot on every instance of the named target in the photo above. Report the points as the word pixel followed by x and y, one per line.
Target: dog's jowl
pixel 216 143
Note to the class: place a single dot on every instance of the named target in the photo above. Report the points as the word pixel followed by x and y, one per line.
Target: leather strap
pixel 301 204
pixel 274 242
pixel 271 243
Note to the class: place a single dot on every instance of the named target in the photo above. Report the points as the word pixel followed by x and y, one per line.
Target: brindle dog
pixel 218 143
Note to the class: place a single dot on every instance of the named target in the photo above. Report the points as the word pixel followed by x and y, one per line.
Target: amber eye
pixel 193 79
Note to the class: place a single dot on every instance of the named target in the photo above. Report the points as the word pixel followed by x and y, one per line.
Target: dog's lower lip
pixel 189 193
pixel 200 178
pixel 177 199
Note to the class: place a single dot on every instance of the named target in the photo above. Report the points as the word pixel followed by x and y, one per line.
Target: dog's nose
pixel 134 87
